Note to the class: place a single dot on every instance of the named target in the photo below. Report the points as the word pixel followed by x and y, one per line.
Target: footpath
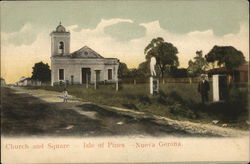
pixel 191 127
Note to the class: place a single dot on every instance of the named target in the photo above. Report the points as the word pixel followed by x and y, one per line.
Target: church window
pixel 61 74
pixel 61 47
pixel 109 74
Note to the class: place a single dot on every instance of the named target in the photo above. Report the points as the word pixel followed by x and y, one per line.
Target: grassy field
pixel 176 100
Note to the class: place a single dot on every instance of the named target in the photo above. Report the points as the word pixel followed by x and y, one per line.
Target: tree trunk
pixel 162 76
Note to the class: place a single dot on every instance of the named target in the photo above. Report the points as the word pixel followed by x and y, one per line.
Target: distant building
pixel 28 82
pixel 2 82
pixel 81 66
pixel 239 74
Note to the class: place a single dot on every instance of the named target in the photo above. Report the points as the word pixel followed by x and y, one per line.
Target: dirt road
pixel 42 113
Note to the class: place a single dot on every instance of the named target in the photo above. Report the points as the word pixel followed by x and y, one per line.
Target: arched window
pixel 61 47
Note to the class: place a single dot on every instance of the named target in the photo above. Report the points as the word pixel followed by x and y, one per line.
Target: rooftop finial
pixel 60 23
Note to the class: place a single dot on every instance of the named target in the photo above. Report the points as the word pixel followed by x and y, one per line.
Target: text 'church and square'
pixel 82 66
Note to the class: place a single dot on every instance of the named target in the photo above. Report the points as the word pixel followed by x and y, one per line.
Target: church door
pixel 86 75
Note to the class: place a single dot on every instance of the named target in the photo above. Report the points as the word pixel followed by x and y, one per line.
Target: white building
pixel 81 66
pixel 28 82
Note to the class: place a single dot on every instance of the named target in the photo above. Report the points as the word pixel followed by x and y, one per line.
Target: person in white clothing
pixel 65 95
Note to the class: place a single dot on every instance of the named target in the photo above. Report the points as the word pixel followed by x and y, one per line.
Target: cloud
pixel 105 23
pixel 125 31
pixel 18 59
pixel 189 43
pixel 131 52
pixel 26 36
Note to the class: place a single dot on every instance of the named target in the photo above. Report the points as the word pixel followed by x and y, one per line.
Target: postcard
pixel 125 81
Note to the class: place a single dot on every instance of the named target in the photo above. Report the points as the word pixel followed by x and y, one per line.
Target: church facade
pixel 79 67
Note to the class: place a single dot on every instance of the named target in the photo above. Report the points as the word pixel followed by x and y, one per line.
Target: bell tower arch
pixel 60 41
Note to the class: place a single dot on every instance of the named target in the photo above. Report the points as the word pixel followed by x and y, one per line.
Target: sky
pixel 120 29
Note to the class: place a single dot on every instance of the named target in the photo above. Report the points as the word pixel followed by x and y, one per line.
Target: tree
pixel 41 72
pixel 178 72
pixel 133 73
pixel 164 52
pixel 144 69
pixel 225 55
pixel 198 66
pixel 123 70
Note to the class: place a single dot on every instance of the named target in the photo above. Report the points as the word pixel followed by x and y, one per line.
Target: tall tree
pixel 164 52
pixel 41 72
pixel 198 66
pixel 228 56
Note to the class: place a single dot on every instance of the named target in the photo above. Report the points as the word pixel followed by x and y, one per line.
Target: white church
pixel 79 67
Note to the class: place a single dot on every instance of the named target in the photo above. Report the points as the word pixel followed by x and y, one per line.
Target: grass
pixel 176 100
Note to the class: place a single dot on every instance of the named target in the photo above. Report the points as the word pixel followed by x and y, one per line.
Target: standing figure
pixel 203 88
pixel 152 66
pixel 65 95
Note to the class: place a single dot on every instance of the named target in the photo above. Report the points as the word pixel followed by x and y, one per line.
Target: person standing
pixel 203 88
pixel 65 95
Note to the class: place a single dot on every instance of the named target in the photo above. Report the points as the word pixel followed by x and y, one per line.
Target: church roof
pixel 85 52
pixel 60 28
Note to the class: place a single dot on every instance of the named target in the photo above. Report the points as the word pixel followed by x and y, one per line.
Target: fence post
pixel 95 84
pixel 117 85
pixel 87 81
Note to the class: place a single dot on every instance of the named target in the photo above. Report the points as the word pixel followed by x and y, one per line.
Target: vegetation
pixel 41 72
pixel 141 71
pixel 198 66
pixel 226 55
pixel 123 70
pixel 177 101
pixel 164 52
pixel 178 72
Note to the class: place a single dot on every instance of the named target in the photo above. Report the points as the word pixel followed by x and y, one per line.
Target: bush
pixel 180 110
pixel 181 101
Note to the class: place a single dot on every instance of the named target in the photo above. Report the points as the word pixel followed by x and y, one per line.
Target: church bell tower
pixel 60 41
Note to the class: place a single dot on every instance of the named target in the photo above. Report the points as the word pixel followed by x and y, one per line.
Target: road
pixel 24 114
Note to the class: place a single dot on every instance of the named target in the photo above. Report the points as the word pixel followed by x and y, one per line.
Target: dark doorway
pixel 109 74
pixel 61 74
pixel 223 88
pixel 86 75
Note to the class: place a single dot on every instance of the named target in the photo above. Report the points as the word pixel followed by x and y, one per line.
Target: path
pixel 120 121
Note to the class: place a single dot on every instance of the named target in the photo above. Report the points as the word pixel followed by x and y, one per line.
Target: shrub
pixel 180 110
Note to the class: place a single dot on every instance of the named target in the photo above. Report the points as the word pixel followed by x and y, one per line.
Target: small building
pixel 81 66
pixel 239 74
pixel 28 82
pixel 2 82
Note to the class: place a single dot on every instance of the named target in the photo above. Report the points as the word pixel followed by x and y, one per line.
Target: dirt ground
pixel 42 113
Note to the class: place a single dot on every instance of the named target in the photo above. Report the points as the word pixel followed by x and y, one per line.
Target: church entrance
pixel 86 75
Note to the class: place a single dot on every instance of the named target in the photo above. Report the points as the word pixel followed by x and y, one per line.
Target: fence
pixel 162 80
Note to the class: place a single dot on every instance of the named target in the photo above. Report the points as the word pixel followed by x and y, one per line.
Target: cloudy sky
pixel 120 29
